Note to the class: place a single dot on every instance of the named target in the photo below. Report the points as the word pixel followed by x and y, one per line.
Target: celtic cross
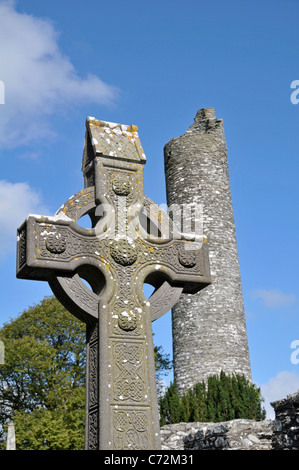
pixel 98 274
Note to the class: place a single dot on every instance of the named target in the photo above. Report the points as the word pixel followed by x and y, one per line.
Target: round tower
pixel 209 329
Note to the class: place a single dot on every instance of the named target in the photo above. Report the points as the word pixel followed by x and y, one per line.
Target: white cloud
pixel 17 201
pixel 278 387
pixel 39 80
pixel 274 298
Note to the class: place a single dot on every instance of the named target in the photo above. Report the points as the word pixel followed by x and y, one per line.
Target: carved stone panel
pixel 130 429
pixel 129 373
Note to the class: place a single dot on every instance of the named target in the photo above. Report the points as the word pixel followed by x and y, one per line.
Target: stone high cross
pixel 131 241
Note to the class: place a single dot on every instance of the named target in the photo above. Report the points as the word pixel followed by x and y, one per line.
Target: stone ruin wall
pixel 240 434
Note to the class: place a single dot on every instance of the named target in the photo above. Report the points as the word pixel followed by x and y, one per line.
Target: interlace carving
pixel 130 429
pixel 129 383
pixel 22 247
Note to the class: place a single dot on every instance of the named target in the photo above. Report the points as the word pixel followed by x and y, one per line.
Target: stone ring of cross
pixel 85 303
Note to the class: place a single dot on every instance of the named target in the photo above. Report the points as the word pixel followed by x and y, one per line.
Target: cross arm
pixel 47 244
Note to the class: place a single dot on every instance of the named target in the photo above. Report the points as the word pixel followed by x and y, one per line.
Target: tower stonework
pixel 209 329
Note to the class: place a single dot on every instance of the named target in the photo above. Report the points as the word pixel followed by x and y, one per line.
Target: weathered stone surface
pixel 286 424
pixel 11 437
pixel 209 330
pixel 239 434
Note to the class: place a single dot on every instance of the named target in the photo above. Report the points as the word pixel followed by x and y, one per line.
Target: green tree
pixel 42 382
pixel 201 412
pixel 223 398
pixel 43 376
pixel 171 407
pixel 162 362
pixel 212 398
pixel 53 428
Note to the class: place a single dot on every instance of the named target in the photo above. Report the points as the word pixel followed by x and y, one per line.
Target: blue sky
pixel 154 64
